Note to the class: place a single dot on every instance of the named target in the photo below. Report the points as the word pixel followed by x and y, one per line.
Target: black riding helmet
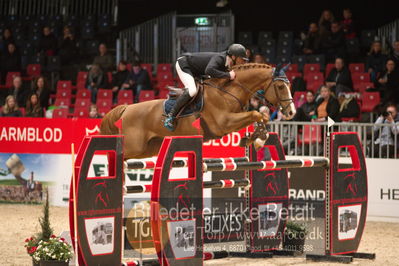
pixel 238 50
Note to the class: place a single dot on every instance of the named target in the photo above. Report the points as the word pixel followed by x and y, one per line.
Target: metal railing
pixel 389 33
pixel 307 139
pixel 153 40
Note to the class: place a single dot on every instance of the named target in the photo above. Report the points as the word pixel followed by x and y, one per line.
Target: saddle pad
pixel 194 107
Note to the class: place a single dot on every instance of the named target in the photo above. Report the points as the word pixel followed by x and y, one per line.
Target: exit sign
pixel 202 21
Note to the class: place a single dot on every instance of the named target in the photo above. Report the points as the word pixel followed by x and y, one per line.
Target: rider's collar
pixel 228 61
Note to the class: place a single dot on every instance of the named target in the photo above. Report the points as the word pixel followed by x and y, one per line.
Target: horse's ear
pixel 277 70
pixel 285 68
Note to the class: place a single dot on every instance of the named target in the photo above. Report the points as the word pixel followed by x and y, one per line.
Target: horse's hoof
pixel 244 142
pixel 259 143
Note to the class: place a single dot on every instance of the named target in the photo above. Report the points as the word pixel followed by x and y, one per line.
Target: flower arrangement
pixel 54 249
pixel 45 246
pixel 31 245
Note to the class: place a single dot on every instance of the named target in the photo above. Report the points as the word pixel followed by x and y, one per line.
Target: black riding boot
pixel 171 117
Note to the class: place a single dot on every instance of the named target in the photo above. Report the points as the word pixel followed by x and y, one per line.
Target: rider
pixel 216 65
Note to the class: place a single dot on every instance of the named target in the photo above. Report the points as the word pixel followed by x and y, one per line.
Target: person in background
pixel 48 42
pixel 41 89
pixel 250 55
pixel 120 80
pixel 104 59
pixel 339 79
pixel 307 110
pixel 395 54
pixel 6 40
pixel 333 44
pixel 11 61
pixel 348 106
pixel 388 83
pixel 312 40
pixel 10 108
pixel 139 80
pixel 67 48
pixel 375 61
pixel 96 79
pixel 326 106
pixel 19 90
pixel 325 21
pixel 385 135
pixel 254 104
pixel 260 59
pixel 348 24
pixel 93 111
pixel 33 108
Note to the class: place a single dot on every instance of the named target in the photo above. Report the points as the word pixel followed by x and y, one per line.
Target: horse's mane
pixel 250 66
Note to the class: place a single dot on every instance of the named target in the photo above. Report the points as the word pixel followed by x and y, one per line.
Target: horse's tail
pixel 107 126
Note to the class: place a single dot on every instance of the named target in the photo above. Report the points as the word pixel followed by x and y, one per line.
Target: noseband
pixel 290 100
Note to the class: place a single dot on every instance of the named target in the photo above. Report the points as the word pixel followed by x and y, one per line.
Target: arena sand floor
pixel 19 222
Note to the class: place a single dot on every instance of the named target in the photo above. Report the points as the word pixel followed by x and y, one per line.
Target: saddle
pixel 194 106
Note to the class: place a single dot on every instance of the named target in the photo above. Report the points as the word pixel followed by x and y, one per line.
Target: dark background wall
pixel 272 15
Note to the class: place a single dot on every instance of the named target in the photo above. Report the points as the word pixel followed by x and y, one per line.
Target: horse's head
pixel 278 92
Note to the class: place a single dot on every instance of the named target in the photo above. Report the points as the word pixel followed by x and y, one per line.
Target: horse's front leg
pixel 237 121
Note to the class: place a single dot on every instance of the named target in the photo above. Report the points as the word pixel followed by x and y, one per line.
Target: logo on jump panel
pixel 351 186
pixel 271 184
pixel 102 196
pixel 183 198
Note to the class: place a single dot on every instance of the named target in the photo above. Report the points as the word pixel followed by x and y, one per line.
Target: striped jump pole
pixel 150 164
pixel 238 164
pixel 266 165
pixel 226 183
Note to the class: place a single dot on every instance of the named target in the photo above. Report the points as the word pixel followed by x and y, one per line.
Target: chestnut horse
pixel 223 111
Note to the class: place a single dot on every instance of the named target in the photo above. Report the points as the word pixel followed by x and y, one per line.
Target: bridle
pixel 242 105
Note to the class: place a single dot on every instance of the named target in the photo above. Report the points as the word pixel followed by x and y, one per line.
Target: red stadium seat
pixel 314 76
pixel 311 68
pixel 83 94
pixel 125 97
pixel 329 67
pixel 292 68
pixel 314 85
pixel 298 100
pixel 62 102
pixel 360 77
pixel 9 78
pixel 147 67
pixel 363 86
pixel 60 113
pixel 356 68
pixel 103 110
pixel 104 94
pixel 82 76
pixel 63 93
pixel 82 103
pixel 146 96
pixel 369 101
pixel 104 103
pixel 293 75
pixel 164 68
pixel 64 84
pixel 311 134
pixel 164 77
pixel 33 70
pixel 81 112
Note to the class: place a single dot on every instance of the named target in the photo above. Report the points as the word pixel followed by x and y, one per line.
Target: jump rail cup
pixel 99 204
